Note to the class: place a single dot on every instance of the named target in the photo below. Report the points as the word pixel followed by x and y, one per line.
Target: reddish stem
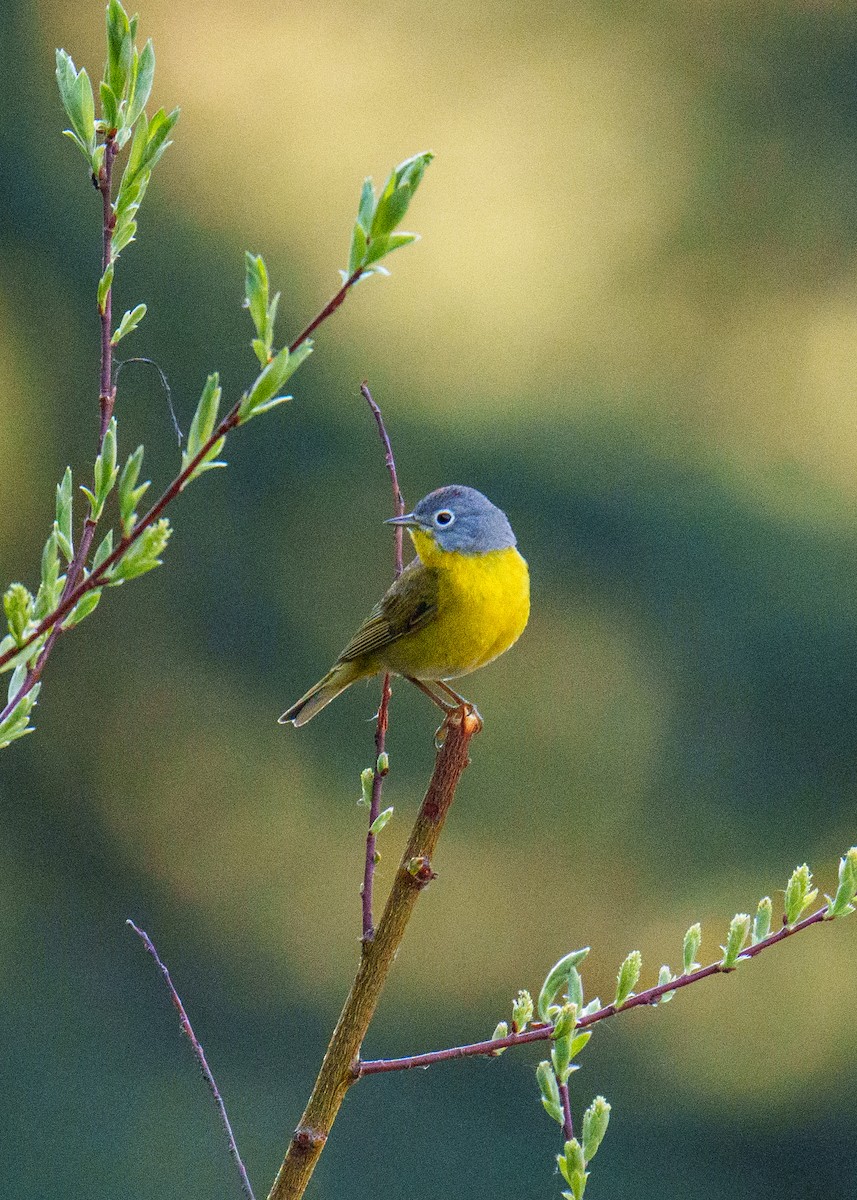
pixel 386 691
pixel 540 1033
pixel 567 1122
pixel 187 1030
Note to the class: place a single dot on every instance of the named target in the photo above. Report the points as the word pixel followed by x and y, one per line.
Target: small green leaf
pixel 739 931
pixel 105 283
pixel 129 323
pixel 144 554
pixel 843 902
pixel 145 74
pixel 256 290
pixel 799 893
pixel 76 95
pixel 595 1122
pixel 557 978
pixel 367 779
pixel 550 1091
pixel 522 1011
pixel 263 394
pixel 357 254
pixel 18 604
pixel 109 107
pixel 17 725
pixel 762 920
pixel 665 975
pixel 105 549
pixel 627 978
pixel 380 821
pixel 129 494
pixel 65 513
pixel 202 425
pixel 692 942
pixel 382 764
pixel 83 608
pixel 366 207
pixel 501 1031
pixel 106 472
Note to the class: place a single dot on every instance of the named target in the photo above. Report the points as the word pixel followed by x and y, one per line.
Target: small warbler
pixel 464 600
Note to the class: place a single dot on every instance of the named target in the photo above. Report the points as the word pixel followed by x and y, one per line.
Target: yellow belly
pixel 482 609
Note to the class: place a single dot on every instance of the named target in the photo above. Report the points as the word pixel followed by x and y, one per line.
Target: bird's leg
pixel 438 700
pixel 459 702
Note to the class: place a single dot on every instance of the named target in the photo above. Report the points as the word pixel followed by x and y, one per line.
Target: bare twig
pixel 567 1122
pixel 386 691
pixel 187 1030
pixel 340 1066
pixel 541 1033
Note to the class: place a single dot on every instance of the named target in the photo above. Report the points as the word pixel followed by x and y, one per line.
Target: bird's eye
pixel 443 518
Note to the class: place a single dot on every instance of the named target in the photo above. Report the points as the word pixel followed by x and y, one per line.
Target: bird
pixel 462 602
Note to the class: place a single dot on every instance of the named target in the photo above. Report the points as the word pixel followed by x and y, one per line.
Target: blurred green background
pixel 631 321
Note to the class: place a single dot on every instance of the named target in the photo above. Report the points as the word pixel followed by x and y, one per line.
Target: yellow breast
pixel 483 605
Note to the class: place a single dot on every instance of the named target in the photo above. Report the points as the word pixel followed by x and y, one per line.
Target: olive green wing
pixel 408 605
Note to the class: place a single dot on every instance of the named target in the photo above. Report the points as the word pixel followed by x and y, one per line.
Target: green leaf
pixel 557 978
pixel 119 47
pixel 550 1091
pixel 762 920
pixel 665 975
pixel 595 1122
pixel 843 902
pixel 522 1011
pixel 263 394
pixel 627 978
pixel 357 254
pixel 17 725
pixel 51 581
pixel 105 283
pixel 129 494
pixel 109 107
pixel 380 821
pixel 739 931
pixel 500 1031
pixel 106 472
pixel 83 608
pixel 65 514
pixel 799 893
pixel 19 605
pixel 367 779
pixel 692 942
pixel 76 95
pixel 202 425
pixel 129 323
pixel 105 549
pixel 144 554
pixel 366 208
pixel 144 76
pixel 256 290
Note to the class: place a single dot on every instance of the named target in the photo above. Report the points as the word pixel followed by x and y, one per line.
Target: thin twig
pixel 339 1070
pixel 106 399
pixel 567 1122
pixel 72 594
pixel 187 1030
pixel 541 1033
pixel 386 691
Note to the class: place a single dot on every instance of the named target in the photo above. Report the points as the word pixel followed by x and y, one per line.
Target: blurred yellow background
pixel 631 321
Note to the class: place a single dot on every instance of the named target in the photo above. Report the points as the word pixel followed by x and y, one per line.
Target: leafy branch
pixel 67 595
pixel 566 1021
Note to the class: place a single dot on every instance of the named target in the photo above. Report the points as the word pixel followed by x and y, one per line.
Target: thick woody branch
pixel 340 1066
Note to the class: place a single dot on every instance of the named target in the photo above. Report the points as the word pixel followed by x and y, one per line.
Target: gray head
pixel 460 518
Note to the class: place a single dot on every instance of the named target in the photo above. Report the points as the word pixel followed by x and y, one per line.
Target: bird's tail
pixel 337 679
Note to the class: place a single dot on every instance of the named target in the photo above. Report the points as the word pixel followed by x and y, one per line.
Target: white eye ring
pixel 444 518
